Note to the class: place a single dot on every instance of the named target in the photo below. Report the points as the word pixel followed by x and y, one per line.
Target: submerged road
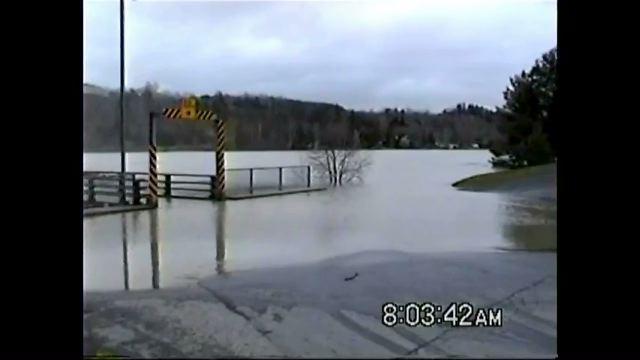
pixel 311 311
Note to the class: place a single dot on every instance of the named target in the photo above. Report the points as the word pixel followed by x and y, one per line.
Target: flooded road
pixel 407 204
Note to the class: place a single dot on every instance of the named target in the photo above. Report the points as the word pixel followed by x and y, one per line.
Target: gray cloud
pixel 363 55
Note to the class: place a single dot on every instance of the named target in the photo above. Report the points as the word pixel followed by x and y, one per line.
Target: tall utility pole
pixel 122 153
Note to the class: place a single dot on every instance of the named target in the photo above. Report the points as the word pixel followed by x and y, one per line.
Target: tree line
pixel 261 122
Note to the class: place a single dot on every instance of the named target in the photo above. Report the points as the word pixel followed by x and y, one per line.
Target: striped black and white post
pixel 153 164
pixel 205 115
pixel 220 147
pixel 171 113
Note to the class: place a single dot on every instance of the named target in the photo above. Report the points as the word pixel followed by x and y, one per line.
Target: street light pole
pixel 122 152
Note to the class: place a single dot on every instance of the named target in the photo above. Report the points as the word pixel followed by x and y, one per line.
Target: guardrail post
pixel 92 190
pixel 133 182
pixel 251 181
pixel 167 185
pixel 280 178
pixel 308 176
pixel 136 192
pixel 213 187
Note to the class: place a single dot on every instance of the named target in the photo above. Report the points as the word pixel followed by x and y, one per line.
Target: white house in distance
pixel 94 89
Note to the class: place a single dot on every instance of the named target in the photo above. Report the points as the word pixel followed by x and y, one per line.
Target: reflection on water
pixel 530 224
pixel 155 244
pixel 220 239
pixel 155 251
pixel 125 252
pixel 406 204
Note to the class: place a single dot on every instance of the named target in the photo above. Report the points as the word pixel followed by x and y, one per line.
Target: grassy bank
pixel 535 176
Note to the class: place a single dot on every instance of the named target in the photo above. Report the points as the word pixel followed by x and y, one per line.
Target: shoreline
pixel 534 179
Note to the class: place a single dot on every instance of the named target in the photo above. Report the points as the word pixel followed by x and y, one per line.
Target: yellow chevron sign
pixel 188 110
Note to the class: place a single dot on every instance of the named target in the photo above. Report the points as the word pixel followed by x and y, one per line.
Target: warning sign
pixel 188 110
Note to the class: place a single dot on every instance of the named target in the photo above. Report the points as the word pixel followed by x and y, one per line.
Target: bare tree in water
pixel 339 166
pixel 338 161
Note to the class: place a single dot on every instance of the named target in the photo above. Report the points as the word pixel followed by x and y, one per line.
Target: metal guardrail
pixel 304 174
pixel 134 188
pixel 110 185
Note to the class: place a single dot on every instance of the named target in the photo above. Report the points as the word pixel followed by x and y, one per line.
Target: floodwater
pixel 406 203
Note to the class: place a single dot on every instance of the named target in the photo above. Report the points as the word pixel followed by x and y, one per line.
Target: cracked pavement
pixel 310 311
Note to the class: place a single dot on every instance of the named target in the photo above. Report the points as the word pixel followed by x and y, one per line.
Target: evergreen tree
pixel 529 113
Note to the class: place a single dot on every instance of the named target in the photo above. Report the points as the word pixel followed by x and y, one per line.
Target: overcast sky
pixel 360 54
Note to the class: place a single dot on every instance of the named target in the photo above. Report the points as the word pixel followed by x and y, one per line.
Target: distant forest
pixel 274 123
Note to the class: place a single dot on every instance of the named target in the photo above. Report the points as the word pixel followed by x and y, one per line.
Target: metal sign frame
pixel 189 110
